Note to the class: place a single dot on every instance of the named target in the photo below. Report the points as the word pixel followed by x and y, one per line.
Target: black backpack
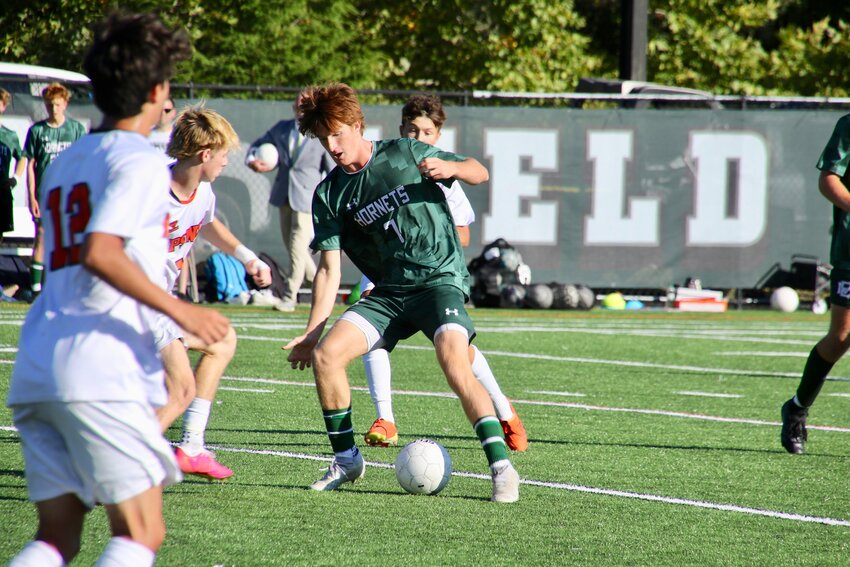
pixel 497 267
pixel 278 286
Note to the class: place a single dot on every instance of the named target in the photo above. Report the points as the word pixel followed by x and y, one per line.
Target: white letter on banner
pixel 712 223
pixel 612 222
pixel 509 186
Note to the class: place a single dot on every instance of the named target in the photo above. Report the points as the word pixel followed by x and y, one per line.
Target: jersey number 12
pixel 73 217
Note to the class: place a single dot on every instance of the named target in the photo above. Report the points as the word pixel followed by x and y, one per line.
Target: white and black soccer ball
pixel 512 296
pixel 564 296
pixel 423 467
pixel 586 297
pixel 538 296
pixel 784 299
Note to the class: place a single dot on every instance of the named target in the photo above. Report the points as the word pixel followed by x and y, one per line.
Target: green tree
pixel 236 42
pixel 53 34
pixel 509 45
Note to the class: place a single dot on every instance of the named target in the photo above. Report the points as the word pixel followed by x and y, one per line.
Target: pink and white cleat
pixel 203 464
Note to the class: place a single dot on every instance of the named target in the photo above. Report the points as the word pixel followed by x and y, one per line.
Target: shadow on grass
pixel 195 485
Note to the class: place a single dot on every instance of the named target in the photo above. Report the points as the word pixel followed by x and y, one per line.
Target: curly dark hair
pixel 426 105
pixel 130 55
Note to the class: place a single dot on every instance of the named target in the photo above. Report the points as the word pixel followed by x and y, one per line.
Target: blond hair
pixel 197 129
pixel 55 90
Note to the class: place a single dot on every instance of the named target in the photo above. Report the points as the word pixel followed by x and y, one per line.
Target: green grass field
pixel 654 441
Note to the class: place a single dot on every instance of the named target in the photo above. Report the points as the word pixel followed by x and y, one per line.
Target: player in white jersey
pixel 200 141
pixel 87 377
pixel 422 118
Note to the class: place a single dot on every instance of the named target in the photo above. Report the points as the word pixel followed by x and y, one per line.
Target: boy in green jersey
pixel 45 140
pixel 10 149
pixel 383 207
pixel 834 184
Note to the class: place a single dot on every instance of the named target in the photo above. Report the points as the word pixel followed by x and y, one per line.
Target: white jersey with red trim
pixel 83 340
pixel 186 218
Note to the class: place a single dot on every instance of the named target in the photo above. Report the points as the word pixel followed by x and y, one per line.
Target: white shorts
pixel 165 331
pixel 102 452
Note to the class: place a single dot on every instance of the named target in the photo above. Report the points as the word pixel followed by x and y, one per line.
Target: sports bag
pixel 278 286
pixel 225 277
pixel 497 268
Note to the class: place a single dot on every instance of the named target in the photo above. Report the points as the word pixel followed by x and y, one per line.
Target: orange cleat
pixel 515 436
pixel 383 433
pixel 203 464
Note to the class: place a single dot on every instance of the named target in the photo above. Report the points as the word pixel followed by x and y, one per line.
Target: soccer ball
pixel 267 153
pixel 784 299
pixel 512 296
pixel 423 467
pixel 586 297
pixel 538 296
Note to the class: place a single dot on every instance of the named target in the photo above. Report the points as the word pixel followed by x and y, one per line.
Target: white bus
pixel 25 83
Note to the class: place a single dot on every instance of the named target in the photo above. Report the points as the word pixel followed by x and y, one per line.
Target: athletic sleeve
pixel 80 130
pixel 326 223
pixel 136 191
pixel 29 144
pixel 836 154
pixel 421 150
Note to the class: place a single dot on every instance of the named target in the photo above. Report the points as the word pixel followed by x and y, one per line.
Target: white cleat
pixel 505 483
pixel 341 472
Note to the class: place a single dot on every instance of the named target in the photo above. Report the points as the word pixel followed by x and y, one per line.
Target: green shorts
pixel 839 287
pixel 389 317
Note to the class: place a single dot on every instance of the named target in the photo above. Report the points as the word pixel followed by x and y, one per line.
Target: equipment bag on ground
pixel 225 277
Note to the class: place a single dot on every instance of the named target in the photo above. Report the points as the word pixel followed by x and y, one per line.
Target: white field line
pixel 707 394
pixel 566 394
pixel 635 364
pixel 838 395
pixel 725 335
pixel 763 353
pixel 255 390
pixel 570 487
pixel 572 405
pixel 585 489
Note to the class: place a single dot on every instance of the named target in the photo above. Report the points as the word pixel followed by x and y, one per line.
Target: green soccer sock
pixel 489 431
pixel 340 429
pixel 814 375
pixel 36 275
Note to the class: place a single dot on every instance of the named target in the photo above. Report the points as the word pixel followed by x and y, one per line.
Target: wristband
pixel 244 254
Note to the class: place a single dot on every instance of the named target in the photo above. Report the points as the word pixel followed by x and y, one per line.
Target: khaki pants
pixel 297 231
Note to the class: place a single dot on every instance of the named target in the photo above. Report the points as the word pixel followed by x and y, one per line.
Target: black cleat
pixel 794 433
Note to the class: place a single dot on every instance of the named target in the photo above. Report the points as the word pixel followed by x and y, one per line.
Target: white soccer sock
pixel 194 425
pixel 124 552
pixel 379 377
pixel 484 375
pixel 38 554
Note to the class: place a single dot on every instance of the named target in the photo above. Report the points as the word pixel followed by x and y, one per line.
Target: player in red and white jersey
pixel 87 378
pixel 200 142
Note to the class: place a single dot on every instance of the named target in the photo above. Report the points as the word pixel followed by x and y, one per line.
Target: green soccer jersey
pixel 10 149
pixel 836 158
pixel 392 222
pixel 44 143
